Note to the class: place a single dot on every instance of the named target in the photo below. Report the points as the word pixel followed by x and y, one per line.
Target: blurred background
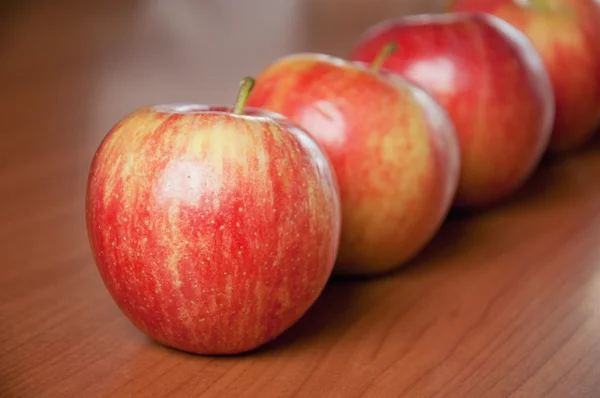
pixel 108 57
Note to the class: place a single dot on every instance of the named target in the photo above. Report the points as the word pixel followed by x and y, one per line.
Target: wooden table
pixel 503 303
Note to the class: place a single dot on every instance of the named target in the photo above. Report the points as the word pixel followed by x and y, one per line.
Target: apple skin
pixel 213 232
pixel 566 33
pixel 493 85
pixel 393 148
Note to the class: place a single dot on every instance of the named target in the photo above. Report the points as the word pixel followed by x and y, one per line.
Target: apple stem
pixel 246 86
pixel 385 52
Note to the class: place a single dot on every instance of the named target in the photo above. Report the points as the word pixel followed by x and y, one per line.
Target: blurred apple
pixel 492 83
pixel 392 146
pixel 566 33
pixel 214 229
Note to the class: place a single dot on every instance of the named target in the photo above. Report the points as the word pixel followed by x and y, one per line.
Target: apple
pixel 566 33
pixel 393 149
pixel 214 229
pixel 491 82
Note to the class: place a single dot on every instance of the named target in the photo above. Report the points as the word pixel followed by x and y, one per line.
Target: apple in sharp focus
pixel 492 83
pixel 214 229
pixel 393 148
pixel 566 33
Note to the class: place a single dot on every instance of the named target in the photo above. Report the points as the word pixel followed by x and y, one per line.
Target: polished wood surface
pixel 502 303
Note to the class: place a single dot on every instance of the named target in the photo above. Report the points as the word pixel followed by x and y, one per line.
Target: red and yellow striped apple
pixel 566 33
pixel 491 82
pixel 393 148
pixel 214 229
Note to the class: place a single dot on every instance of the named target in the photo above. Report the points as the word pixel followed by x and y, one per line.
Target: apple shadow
pixel 594 144
pixel 337 307
pixel 347 298
pixel 555 179
pixel 552 185
pixel 544 183
pixel 549 186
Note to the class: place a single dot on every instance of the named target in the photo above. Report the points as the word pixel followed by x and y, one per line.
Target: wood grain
pixel 502 303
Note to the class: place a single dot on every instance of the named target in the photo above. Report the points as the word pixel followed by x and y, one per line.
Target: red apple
pixel 566 33
pixel 492 83
pixel 213 229
pixel 392 146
